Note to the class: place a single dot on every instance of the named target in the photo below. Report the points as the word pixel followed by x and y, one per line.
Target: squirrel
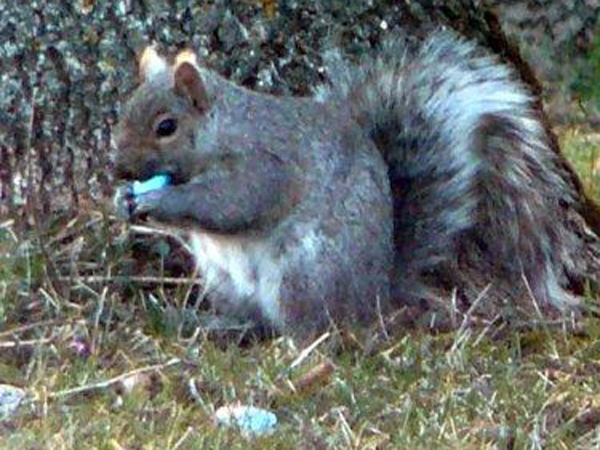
pixel 340 207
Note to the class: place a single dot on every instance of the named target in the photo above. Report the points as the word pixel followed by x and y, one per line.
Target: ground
pixel 109 358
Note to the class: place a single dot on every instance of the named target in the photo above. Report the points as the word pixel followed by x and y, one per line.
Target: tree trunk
pixel 556 38
pixel 66 68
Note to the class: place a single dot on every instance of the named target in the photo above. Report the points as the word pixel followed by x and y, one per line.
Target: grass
pixel 113 364
pixel 583 150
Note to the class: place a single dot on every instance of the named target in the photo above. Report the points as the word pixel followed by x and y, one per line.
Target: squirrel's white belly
pixel 242 270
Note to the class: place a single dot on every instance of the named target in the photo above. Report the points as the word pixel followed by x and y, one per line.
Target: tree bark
pixel 67 67
pixel 557 38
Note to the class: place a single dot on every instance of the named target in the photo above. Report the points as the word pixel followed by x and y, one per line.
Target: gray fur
pixel 303 212
pixel 468 158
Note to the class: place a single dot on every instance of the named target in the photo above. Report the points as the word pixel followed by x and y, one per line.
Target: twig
pixel 7 226
pixel 319 373
pixel 485 330
pixel 28 327
pixel 463 325
pixel 111 381
pixel 97 315
pixel 182 439
pixel 381 320
pixel 532 296
pixel 308 350
pixel 69 229
pixel 96 279
pixel 149 230
pixel 190 288
pixel 454 308
pixel 51 300
pixel 12 344
pixel 540 315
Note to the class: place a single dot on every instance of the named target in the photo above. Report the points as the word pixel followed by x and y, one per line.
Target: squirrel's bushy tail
pixel 469 163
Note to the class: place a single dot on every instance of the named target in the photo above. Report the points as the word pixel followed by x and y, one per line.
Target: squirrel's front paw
pixel 128 206
pixel 140 197
pixel 146 203
pixel 124 202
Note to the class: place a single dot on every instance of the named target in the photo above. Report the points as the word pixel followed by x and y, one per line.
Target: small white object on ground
pixel 251 421
pixel 10 399
pixel 152 184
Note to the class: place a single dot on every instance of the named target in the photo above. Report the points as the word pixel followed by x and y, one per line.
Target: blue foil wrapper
pixel 152 184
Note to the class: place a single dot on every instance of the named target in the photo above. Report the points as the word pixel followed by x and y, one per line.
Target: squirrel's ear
pixel 151 64
pixel 188 81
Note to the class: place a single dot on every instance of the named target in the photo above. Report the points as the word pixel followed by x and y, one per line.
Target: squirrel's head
pixel 157 129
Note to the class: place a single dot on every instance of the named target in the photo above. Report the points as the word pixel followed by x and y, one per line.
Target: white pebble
pixel 250 420
pixel 10 399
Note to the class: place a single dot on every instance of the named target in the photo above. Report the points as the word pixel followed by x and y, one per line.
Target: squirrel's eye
pixel 166 127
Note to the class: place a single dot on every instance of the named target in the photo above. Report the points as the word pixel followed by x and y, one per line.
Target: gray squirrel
pixel 339 208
